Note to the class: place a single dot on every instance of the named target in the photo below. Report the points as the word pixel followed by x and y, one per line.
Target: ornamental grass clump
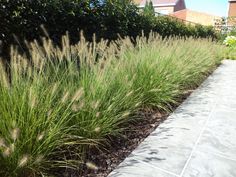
pixel 58 102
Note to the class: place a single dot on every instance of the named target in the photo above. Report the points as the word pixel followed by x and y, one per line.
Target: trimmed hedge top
pixel 108 20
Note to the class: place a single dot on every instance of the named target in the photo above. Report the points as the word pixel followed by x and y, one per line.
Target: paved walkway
pixel 197 140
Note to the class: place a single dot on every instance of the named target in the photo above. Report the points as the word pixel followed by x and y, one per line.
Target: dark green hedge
pixel 106 18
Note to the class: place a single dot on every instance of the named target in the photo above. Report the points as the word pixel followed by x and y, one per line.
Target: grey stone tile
pixel 171 144
pixel 209 165
pixel 165 158
pixel 220 134
pixel 227 102
pixel 136 168
pixel 227 106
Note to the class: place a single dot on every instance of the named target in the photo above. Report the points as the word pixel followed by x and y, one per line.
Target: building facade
pixel 196 17
pixel 232 8
pixel 232 12
pixel 177 9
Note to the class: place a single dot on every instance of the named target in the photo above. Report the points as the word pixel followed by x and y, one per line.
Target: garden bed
pixel 120 148
pixel 108 158
pixel 60 105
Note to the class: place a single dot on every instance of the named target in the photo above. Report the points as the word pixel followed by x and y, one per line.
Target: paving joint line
pixel 163 170
pixel 198 139
pixel 219 154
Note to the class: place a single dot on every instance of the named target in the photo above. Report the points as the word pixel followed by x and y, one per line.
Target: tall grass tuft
pixel 59 101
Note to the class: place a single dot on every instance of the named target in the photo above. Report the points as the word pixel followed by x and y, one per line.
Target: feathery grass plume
pixel 54 88
pixel 81 105
pixel 15 133
pixel 40 136
pixel 12 147
pixel 32 98
pixel 2 143
pixel 32 102
pixel 65 97
pixel 78 94
pixel 97 114
pixel 97 129
pixel 75 107
pixel 38 159
pixel 130 93
pixel 95 104
pixel 6 152
pixel 49 113
pixel 24 64
pixel 137 104
pixel 125 114
pixel 155 90
pixel 4 81
pixel 66 47
pixel 109 107
pixel 45 32
pixel 23 161
pixel 91 166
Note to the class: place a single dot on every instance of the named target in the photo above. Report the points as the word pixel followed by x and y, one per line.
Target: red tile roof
pixel 160 2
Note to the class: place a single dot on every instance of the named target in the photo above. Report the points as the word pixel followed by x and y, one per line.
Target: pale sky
pixel 214 7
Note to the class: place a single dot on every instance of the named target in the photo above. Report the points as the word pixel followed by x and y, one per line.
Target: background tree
pixel 149 9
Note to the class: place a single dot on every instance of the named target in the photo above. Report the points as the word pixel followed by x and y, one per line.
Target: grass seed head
pixel 109 108
pixel 130 93
pixel 32 102
pixel 32 98
pixel 97 129
pixel 39 159
pixel 23 161
pixel 12 147
pixel 95 104
pixel 2 143
pixel 137 104
pixel 49 113
pixel 97 114
pixel 54 88
pixel 78 94
pixel 65 97
pixel 154 90
pixel 91 166
pixel 15 133
pixel 81 105
pixel 125 114
pixel 75 107
pixel 40 136
pixel 6 152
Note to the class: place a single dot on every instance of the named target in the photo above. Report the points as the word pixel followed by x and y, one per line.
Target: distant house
pixel 196 17
pixel 164 6
pixel 177 8
pixel 232 12
pixel 232 8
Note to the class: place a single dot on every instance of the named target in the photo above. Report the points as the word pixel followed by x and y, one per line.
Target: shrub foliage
pixel 21 19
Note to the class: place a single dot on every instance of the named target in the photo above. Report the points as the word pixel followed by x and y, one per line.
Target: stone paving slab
pixel 197 140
